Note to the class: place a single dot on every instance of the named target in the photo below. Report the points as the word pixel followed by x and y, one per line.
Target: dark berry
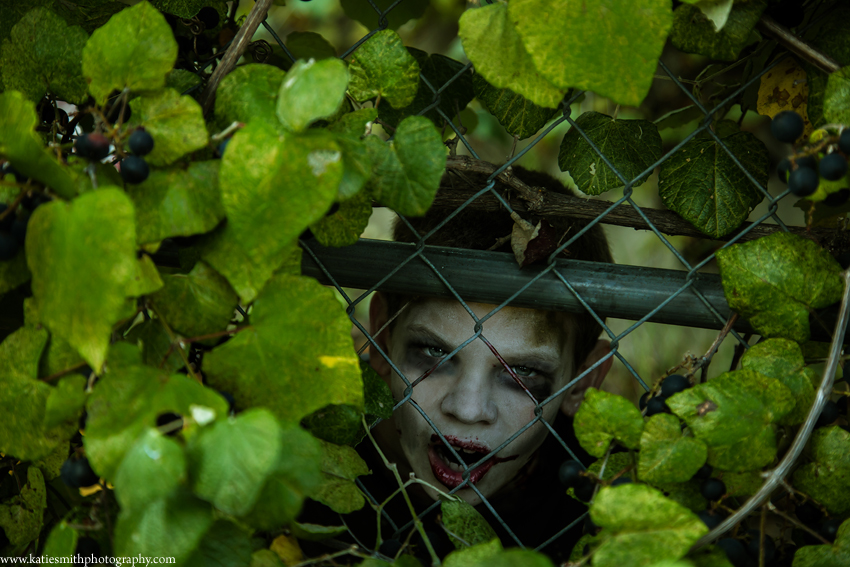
pixel 19 228
pixel 77 472
pixel 755 543
pixel 787 126
pixel 141 143
pixel 803 181
pixel 829 529
pixel 171 422
pixel 6 223
pixel 656 405
pixel 570 473
pixel 704 473
pixel 47 113
pixel 712 489
pixel 837 198
pixel 828 415
pixel 390 547
pixel 711 519
pixel 788 13
pixel 808 513
pixel 622 480
pixel 844 141
pixel 92 146
pixel 8 246
pixel 674 384
pixel 783 170
pixel 833 167
pixel 584 489
pixel 134 169
pixel 643 399
pixel 209 16
pixel 806 161
pixel 735 551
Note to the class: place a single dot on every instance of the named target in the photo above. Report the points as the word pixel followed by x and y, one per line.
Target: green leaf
pixel 22 146
pixel 344 227
pixel 479 554
pixel 198 303
pixel 641 527
pixel 777 280
pixel 226 544
pixel 296 473
pixel 175 122
pixel 494 45
pixel 61 542
pixel 356 162
pixel 22 516
pixel 370 18
pixel 296 357
pixel 154 342
pixel 14 272
pixel 177 202
pixel 783 360
pixel 665 454
pixel 134 50
pixel 685 493
pixel 127 400
pixel 183 81
pixel 153 468
pixel 378 397
pixel 184 518
pixel 298 105
pixel 265 215
pixel 406 175
pixel 226 255
pixel 248 93
pixel 51 465
pixel 82 258
pixel 835 555
pixel 734 415
pixel 43 54
pixel 89 14
pixel 309 45
pixel 701 183
pixel 189 8
pixel 836 103
pixel 613 46
pixel 438 70
pixel 632 146
pixel 339 424
pixel 340 466
pixel 827 477
pixel 230 460
pixel 694 32
pixel 465 522
pixel 265 558
pixel 65 402
pixel 520 117
pixel 382 67
pixel 314 532
pixel 603 417
pixel 146 279
pixel 831 40
pixel 742 484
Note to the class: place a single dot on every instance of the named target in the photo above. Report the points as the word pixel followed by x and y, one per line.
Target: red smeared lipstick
pixel 448 471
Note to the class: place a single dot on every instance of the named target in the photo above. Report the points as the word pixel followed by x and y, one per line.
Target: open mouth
pixel 449 470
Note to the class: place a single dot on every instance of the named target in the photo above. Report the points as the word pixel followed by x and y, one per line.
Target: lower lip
pixel 452 478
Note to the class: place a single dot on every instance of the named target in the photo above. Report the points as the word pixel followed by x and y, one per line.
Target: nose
pixel 469 397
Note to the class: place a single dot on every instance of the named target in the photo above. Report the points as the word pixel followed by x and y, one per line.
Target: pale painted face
pixel 471 397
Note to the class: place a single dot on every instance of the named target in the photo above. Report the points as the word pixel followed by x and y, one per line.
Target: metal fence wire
pixel 691 296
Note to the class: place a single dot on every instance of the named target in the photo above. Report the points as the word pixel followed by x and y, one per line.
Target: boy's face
pixel 472 398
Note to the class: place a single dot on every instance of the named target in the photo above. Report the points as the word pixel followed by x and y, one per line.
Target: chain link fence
pixel 690 296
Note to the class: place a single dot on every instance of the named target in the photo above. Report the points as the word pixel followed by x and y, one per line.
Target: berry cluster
pixel 133 168
pixel 13 223
pixel 818 171
pixel 570 476
pixel 673 384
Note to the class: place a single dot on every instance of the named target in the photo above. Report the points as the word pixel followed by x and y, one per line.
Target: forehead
pixel 531 327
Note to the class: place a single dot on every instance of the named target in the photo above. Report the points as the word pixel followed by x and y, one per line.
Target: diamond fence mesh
pixel 690 296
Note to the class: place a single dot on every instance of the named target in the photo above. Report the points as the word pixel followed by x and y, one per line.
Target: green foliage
pixel 783 360
pixel 603 417
pixel 768 281
pixel 825 478
pixel 383 68
pixel 635 145
pixel 21 517
pixel 62 541
pixel 520 117
pixel 665 454
pixel 466 523
pixel 249 92
pixel 834 555
pixel 341 465
pixel 175 122
pixel 694 32
pixel 296 108
pixel 836 101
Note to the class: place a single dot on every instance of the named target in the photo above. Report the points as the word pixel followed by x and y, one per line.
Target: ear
pixel 377 319
pixel 593 379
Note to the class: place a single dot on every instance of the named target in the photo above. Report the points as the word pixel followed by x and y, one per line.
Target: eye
pixel 524 371
pixel 435 352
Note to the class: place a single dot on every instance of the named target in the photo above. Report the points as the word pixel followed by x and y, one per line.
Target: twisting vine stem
pixel 776 477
